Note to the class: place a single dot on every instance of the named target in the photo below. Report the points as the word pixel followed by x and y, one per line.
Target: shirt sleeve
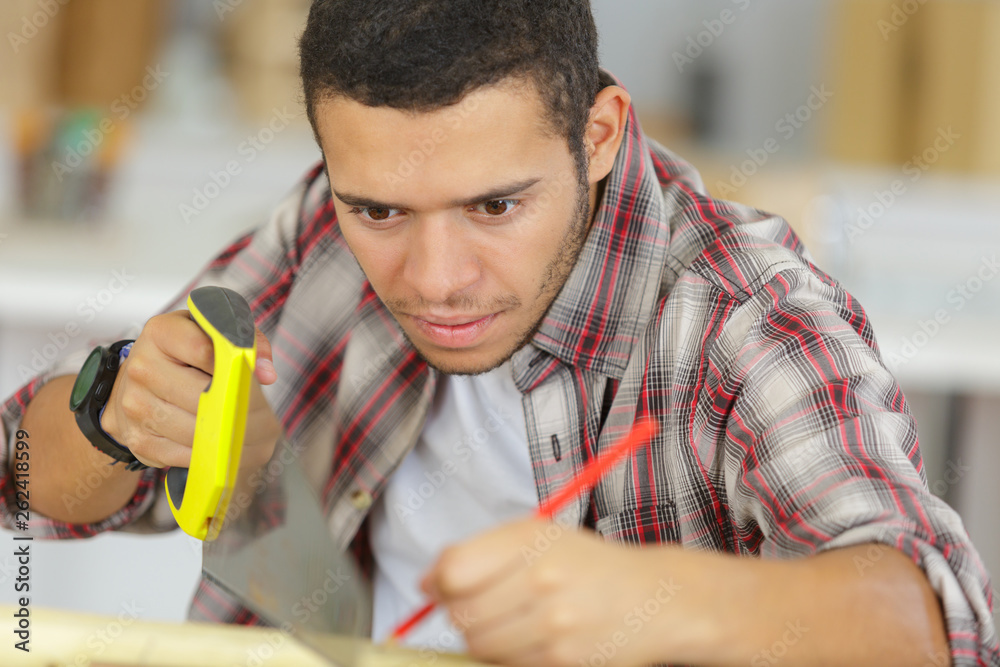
pixel 826 450
pixel 261 266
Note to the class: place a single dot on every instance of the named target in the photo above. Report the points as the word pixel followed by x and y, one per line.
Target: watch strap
pixel 88 414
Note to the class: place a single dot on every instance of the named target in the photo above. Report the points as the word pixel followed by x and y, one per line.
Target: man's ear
pixel 606 130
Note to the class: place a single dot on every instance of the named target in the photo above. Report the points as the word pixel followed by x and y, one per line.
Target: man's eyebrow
pixel 496 193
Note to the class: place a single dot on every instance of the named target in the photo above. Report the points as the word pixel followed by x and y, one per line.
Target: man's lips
pixel 454 332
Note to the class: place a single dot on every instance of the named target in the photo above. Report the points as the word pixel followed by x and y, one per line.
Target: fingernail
pixel 267 371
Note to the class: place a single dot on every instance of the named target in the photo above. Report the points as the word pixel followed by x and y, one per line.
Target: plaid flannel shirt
pixel 782 432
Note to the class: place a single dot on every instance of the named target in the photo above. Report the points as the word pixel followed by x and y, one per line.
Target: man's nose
pixel 441 261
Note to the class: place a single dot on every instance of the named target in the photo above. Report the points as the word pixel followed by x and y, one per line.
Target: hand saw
pixel 265 539
pixel 199 495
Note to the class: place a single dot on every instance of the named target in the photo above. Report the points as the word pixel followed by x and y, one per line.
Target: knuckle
pixel 449 562
pixel 154 326
pixel 150 424
pixel 131 405
pixel 560 653
pixel 479 646
pixel 163 452
pixel 203 351
pixel 138 370
pixel 560 619
pixel 142 446
pixel 544 578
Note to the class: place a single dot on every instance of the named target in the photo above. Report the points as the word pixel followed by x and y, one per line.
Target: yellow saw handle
pixel 199 496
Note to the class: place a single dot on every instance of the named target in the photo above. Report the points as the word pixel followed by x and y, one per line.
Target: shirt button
pixel 361 499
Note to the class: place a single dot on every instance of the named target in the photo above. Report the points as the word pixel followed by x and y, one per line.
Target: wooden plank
pixel 64 639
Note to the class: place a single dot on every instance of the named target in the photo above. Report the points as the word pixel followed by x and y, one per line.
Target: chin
pixel 458 363
pixel 469 362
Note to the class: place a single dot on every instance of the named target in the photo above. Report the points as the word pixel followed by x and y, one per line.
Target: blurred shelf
pixel 55 265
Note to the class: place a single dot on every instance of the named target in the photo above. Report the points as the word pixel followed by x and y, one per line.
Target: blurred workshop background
pixel 137 137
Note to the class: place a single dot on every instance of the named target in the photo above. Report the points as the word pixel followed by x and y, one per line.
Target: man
pixel 494 277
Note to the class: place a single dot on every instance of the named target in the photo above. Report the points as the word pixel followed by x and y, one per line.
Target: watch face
pixel 85 379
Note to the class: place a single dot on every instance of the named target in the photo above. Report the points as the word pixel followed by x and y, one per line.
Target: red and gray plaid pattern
pixel 782 432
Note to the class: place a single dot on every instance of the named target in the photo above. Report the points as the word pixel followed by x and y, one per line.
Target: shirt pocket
pixel 652 524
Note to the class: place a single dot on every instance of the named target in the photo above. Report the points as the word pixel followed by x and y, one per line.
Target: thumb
pixel 265 364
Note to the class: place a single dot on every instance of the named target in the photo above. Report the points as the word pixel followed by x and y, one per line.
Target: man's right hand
pixel 154 401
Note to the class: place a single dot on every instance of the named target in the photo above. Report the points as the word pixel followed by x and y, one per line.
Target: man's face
pixel 467 220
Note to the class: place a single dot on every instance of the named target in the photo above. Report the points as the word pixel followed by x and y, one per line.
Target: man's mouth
pixel 454 332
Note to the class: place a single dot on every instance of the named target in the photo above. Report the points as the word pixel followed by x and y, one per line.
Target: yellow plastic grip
pixel 199 496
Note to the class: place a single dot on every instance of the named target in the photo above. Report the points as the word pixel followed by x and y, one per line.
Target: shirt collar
pixel 611 292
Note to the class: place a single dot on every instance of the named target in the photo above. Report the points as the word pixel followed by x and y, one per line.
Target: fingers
pixel 263 430
pixel 158 443
pixel 180 339
pixel 526 619
pixel 264 369
pixel 153 404
pixel 165 380
pixel 512 637
pixel 157 432
pixel 465 569
pixel 495 611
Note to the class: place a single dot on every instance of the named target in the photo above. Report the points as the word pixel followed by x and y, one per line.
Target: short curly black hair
pixel 423 55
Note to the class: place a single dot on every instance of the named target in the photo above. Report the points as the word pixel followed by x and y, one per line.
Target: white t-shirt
pixel 469 471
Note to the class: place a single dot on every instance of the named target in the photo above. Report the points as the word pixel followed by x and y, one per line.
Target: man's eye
pixel 375 214
pixel 497 207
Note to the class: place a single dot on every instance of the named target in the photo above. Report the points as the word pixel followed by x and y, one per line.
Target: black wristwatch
pixel 89 396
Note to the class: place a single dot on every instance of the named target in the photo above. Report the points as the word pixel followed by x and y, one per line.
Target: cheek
pixel 378 257
pixel 524 254
pixel 547 225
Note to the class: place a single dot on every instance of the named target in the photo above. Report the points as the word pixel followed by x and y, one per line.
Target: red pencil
pixel 588 477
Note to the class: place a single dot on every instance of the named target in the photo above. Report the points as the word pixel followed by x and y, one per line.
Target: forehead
pixel 497 134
